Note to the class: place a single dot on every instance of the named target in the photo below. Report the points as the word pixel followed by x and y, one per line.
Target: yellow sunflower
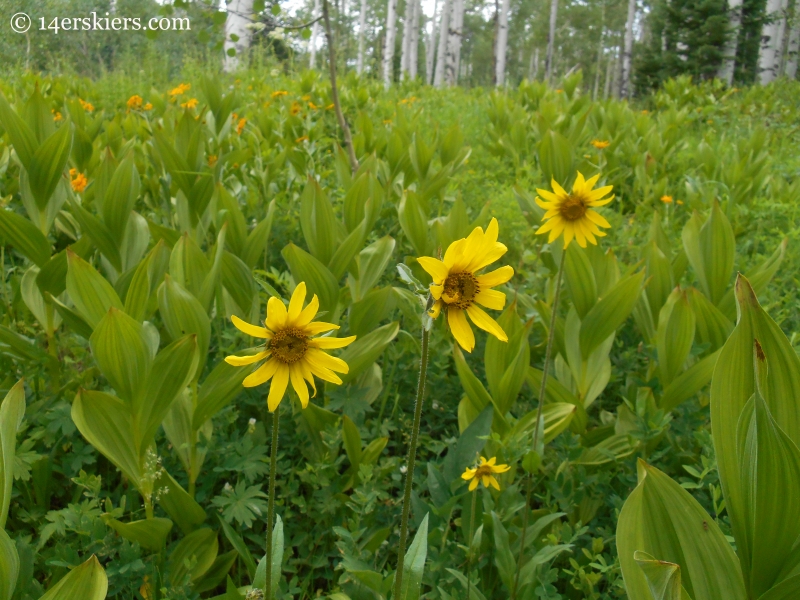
pixel 572 214
pixel 458 289
pixel 291 353
pixel 484 473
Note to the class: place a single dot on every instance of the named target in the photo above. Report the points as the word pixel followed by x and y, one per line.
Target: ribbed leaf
pixel 120 198
pixel 659 272
pixel 219 388
pixel 366 350
pixel 664 578
pixel 414 563
pixel 91 293
pixel 257 241
pixel 198 549
pixel 47 165
pixel 87 582
pixel 712 327
pixel 674 337
pixel 184 511
pixel 22 137
pixel 580 281
pixel 9 566
pixel 688 383
pixel 150 534
pixel 183 314
pixel 12 410
pixel 25 237
pixel 610 312
pixel 372 262
pixel 319 280
pixel 318 222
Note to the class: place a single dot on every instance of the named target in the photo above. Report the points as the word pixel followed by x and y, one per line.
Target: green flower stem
pixel 412 456
pixel 469 541
pixel 551 336
pixel 273 465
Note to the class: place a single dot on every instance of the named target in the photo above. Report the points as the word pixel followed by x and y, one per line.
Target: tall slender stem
pixel 412 457
pixel 551 336
pixel 469 541
pixel 273 465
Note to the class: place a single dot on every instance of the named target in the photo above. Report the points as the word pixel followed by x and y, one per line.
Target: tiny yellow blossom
pixel 240 126
pixel 190 103
pixel 279 93
pixel 78 181
pixel 302 138
pixel 181 89
pixel 601 144
pixel 295 108
pixel 87 106
pixel 134 102
pixel 679 202
pixel 56 115
pixel 484 473
pixel 306 98
pixel 147 106
pixel 330 106
pixel 666 199
pixel 312 106
pixel 212 160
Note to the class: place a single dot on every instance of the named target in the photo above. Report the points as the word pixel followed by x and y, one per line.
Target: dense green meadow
pixel 137 218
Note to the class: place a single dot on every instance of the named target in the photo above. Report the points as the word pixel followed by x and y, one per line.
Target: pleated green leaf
pixel 664 578
pixel 183 314
pixel 150 534
pixel 256 243
pixel 366 350
pixel 12 410
pixel 664 520
pixel 22 137
pixel 758 278
pixel 610 312
pixel 9 566
pixel 91 293
pixel 318 222
pixel 219 388
pixel 711 250
pixel 414 222
pixel 184 511
pixel 100 234
pixel 712 327
pixel 319 280
pixel 24 237
pixel 688 383
pixel 580 280
pixel 372 262
pixel 198 549
pixel 659 272
pixel 87 582
pixel 414 563
pixel 674 337
pixel 46 167
pixel 120 198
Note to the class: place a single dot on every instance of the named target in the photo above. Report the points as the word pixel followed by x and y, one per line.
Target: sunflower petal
pixel 276 314
pixel 296 303
pixel 597 218
pixel 491 299
pixel 308 313
pixel 460 328
pixel 569 234
pixel 468 474
pixel 548 195
pixel 473 484
pixel 324 373
pixel 308 376
pixel 487 323
pixel 319 358
pixel 241 361
pixel 261 374
pixel 436 291
pixel 591 181
pixel 560 191
pixel 579 184
pixel 494 483
pixel 486 257
pixel 252 330
pixel 319 327
pixel 299 384
pixel 600 192
pixel 435 309
pixel 434 267
pixel 327 343
pixel 496 277
pixel 278 387
pixel 558 228
pixel 598 203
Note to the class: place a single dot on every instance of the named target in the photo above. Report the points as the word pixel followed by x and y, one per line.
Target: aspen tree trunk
pixel 431 49
pixel 627 54
pixel 312 42
pixel 599 57
pixel 502 43
pixel 450 54
pixel 405 45
pixel 551 41
pixel 616 73
pixel 459 26
pixel 728 65
pixel 239 17
pixel 362 27
pixel 388 51
pixel 441 54
pixel 780 56
pixel 769 43
pixel 793 47
pixel 413 54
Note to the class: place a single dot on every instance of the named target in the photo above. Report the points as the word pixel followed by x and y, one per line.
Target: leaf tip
pixel 744 292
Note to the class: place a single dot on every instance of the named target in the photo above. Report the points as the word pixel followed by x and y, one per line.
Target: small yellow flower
pixel 279 93
pixel 291 353
pixel 302 138
pixel 601 144
pixel 559 91
pixel 387 121
pixel 679 202
pixel 190 103
pixel 240 126
pixel 484 473
pixel 87 106
pixel 666 199
pixel 306 98
pixel 181 89
pixel 212 160
pixel 135 102
pixel 56 115
pixel 78 181
pixel 459 289
pixel 572 214
pixel 645 112
pixel 312 106
pixel 330 106
pixel 295 108
pixel 147 106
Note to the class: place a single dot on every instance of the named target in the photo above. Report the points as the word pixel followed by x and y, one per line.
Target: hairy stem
pixel 469 541
pixel 273 465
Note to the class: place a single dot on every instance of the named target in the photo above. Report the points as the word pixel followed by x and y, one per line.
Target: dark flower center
pixel 460 289
pixel 289 345
pixel 574 207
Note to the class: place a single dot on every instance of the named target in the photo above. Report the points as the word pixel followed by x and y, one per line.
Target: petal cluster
pixel 484 473
pixel 460 290
pixel 291 353
pixel 572 214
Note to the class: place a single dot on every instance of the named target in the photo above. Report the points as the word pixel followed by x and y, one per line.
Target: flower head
pixel 666 199
pixel 296 108
pixel 147 106
pixel 78 181
pixel 240 126
pixel 181 89
pixel 302 138
pixel 279 93
pixel 56 115
pixel 212 160
pixel 601 144
pixel 484 473
pixel 87 106
pixel 291 353
pixel 135 102
pixel 190 103
pixel 572 214
pixel 459 289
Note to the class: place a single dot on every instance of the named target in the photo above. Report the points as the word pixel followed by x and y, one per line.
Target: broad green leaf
pixel 758 278
pixel 9 566
pixel 503 559
pixel 616 447
pixel 514 376
pixel 121 352
pixel 100 234
pixel 260 579
pixel 712 327
pixel 24 237
pixel 237 226
pixel 257 241
pixel 664 520
pixel 659 272
pixel 610 312
pixel 414 563
pixel 173 162
pixel 238 280
pixel 318 278
pixel 580 280
pixel 347 249
pixel 674 337
pixel 35 302
pixel 352 441
pixel 469 444
pixel 372 262
pixel 732 386
pixel 47 164
pixel 91 293
pixel 198 549
pixel 189 266
pixel 72 319
pixel 318 222
pixel 664 578
pixel 414 222
pixel 211 279
pixel 139 290
pixel 120 198
pixel 499 356
pixel 183 314
pixel 22 137
pixel 219 388
pixel 365 314
pixel 178 504
pixel 711 251
pixel 555 157
pixel 788 589
pixel 238 544
pixel 554 392
pixel 150 534
pixel 373 451
pixel 12 410
pixel 688 383
pixel 105 421
pixel 556 416
pixel 366 350
pixel 476 393
pixel 217 573
pixel 21 346
pixel 87 582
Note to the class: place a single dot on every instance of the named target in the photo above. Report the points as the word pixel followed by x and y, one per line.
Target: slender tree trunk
pixel 413 53
pixel 458 21
pixel 312 42
pixel 405 52
pixel 551 41
pixel 599 54
pixel 627 54
pixel 239 17
pixel 793 47
pixel 388 50
pixel 444 38
pixel 780 58
pixel 502 43
pixel 728 65
pixel 431 49
pixel 362 30
pixel 615 75
pixel 768 56
pixel 535 64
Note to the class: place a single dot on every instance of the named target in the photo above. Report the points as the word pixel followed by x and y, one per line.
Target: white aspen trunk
pixel 617 69
pixel 431 49
pixel 362 30
pixel 609 75
pixel 405 45
pixel 502 43
pixel 599 61
pixel 768 54
pixel 312 42
pixel 792 49
pixel 441 54
pixel 388 50
pixel 459 26
pixel 413 53
pixel 535 64
pixel 627 54
pixel 236 24
pixel 551 40
pixel 728 65
pixel 781 49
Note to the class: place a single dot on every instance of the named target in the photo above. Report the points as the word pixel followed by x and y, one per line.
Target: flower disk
pixel 572 214
pixel 291 352
pixel 459 289
pixel 484 473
